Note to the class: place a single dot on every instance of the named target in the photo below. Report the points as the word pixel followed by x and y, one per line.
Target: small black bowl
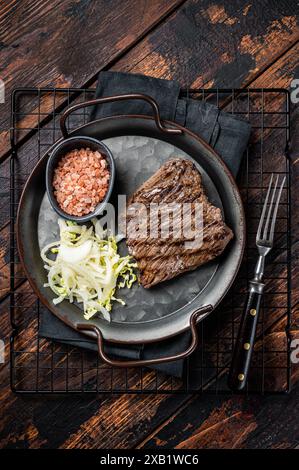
pixel 58 152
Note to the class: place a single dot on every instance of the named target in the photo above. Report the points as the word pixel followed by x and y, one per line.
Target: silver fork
pixel 246 336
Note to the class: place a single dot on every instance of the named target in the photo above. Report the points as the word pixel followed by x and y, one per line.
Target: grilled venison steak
pixel 161 257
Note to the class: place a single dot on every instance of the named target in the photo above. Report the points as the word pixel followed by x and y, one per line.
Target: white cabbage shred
pixel 87 268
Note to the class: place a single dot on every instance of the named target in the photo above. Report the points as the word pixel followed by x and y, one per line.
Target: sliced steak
pixel 165 255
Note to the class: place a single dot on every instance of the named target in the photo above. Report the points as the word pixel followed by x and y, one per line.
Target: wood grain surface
pixel 65 43
pixel 199 43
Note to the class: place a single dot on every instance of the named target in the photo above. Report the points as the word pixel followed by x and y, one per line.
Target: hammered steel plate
pixel 139 149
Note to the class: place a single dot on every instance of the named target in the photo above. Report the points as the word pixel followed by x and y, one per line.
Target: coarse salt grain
pixel 81 181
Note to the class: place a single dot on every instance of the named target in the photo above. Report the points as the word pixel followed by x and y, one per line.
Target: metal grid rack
pixel 44 366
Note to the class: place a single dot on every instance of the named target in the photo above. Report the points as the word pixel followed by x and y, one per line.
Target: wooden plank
pixel 238 421
pixel 40 47
pixel 233 422
pixel 219 45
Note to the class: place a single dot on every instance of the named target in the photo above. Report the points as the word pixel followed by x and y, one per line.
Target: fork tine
pixel 258 235
pixel 275 211
pixel 270 210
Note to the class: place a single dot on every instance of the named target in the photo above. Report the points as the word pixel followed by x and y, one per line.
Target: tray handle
pixel 148 362
pixel 108 99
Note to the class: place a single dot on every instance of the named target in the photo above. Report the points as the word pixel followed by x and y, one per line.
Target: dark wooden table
pixel 202 44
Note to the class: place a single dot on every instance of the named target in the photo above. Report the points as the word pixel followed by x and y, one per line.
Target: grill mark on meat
pixel 149 251
pixel 212 215
pixel 161 259
pixel 152 274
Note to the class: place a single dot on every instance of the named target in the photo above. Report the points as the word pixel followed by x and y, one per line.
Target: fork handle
pixel 246 336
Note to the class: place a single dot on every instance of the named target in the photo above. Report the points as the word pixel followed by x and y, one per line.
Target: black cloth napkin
pixel 227 134
pixel 224 132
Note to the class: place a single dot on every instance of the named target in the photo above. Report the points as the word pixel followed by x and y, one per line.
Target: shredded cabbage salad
pixel 87 268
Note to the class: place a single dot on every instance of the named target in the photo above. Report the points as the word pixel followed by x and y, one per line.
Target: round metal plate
pixel 164 310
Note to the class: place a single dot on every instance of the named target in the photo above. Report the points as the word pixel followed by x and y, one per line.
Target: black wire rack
pixel 40 365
